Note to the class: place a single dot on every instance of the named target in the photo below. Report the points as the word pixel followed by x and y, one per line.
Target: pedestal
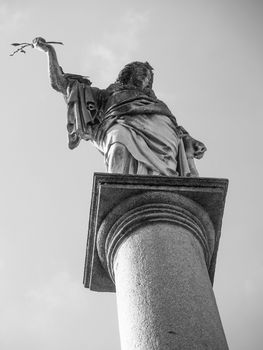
pixel 154 240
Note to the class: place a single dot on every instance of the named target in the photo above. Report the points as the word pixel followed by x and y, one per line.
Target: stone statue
pixel 136 132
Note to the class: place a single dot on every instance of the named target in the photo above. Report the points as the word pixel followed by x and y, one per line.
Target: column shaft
pixel 164 294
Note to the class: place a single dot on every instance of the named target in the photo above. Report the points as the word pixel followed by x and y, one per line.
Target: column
pixel 155 242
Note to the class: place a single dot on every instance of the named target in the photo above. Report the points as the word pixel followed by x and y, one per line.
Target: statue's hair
pixel 129 74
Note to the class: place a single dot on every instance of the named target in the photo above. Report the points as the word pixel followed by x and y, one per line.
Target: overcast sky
pixel 207 56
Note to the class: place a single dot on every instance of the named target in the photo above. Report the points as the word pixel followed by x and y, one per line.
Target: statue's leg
pixel 119 160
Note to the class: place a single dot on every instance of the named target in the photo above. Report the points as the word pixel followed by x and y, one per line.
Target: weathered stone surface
pixel 164 295
pixel 156 239
pixel 127 192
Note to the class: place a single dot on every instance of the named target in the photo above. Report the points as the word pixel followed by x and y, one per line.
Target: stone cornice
pixel 120 202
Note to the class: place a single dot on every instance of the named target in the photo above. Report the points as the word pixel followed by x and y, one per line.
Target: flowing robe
pixel 131 119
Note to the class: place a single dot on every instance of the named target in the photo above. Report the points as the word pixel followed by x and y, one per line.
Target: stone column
pixel 156 239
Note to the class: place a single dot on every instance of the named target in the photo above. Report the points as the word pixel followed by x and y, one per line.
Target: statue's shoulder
pixel 129 90
pixel 71 78
pixel 113 88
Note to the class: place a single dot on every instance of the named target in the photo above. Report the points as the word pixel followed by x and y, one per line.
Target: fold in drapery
pixel 82 112
pixel 154 146
pixel 153 140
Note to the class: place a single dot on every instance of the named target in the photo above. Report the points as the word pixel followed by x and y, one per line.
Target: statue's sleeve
pixel 82 113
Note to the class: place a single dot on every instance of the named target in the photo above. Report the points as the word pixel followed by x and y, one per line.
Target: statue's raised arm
pixel 57 78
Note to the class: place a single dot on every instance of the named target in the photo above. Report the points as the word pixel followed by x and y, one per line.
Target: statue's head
pixel 138 74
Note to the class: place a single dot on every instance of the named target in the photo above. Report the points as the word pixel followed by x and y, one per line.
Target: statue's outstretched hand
pixel 193 148
pixel 41 44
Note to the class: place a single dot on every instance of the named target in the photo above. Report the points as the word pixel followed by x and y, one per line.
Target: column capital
pixel 121 203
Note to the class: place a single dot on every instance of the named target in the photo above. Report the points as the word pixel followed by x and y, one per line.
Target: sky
pixel 207 57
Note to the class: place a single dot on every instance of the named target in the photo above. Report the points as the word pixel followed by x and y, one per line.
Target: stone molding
pixel 151 207
pixel 115 196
